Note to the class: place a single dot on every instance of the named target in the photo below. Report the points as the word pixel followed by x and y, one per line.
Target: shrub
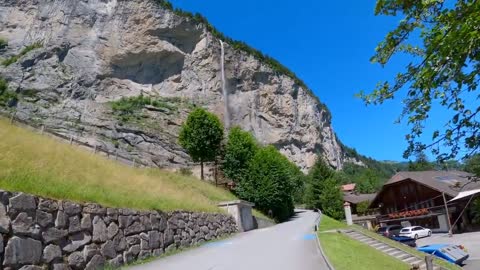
pixel 3 43
pixel 7 98
pixel 23 52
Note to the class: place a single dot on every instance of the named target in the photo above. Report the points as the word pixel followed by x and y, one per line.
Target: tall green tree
pixel 269 183
pixel 421 163
pixel 331 199
pixel 443 41
pixel 319 173
pixel 240 149
pixel 201 135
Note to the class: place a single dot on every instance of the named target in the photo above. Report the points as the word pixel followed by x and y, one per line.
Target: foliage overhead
pixel 443 41
pixel 269 183
pixel 201 136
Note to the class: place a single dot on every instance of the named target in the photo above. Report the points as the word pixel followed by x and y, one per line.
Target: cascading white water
pixel 224 89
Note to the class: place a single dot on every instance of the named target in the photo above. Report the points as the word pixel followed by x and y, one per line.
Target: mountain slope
pixel 89 55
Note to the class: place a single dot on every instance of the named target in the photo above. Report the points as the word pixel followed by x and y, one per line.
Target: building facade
pixel 421 198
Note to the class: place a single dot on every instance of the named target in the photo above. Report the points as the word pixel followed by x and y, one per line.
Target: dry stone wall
pixel 39 233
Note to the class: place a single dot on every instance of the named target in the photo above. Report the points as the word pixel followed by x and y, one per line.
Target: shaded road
pixel 288 246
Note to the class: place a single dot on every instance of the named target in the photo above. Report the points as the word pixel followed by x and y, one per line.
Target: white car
pixel 415 232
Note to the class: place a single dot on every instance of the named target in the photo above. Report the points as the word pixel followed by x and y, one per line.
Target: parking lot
pixel 471 241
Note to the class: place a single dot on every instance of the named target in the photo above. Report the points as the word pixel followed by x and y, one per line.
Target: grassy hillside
pixel 44 166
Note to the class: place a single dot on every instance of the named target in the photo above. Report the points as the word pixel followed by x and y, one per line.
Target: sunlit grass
pixel 44 166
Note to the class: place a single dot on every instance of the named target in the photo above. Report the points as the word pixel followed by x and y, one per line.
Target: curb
pixel 329 265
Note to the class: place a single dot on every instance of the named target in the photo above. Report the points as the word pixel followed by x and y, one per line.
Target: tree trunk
pixel 201 169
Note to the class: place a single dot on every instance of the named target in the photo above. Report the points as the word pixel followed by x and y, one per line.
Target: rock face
pixel 95 52
pixel 103 240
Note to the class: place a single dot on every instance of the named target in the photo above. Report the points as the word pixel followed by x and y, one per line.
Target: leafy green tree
pixel 472 165
pixel 368 182
pixel 331 199
pixel 240 149
pixel 201 135
pixel 319 173
pixel 269 183
pixel 421 163
pixel 444 41
pixel 362 207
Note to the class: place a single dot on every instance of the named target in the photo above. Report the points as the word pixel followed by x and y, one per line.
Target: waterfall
pixel 224 89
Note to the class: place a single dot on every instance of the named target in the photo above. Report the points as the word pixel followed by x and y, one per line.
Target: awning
pixel 464 194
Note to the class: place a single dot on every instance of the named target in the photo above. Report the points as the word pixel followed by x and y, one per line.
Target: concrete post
pixel 429 262
pixel 348 213
pixel 241 212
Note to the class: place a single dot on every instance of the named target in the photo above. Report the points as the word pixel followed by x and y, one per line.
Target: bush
pixel 269 183
pixel 7 98
pixel 3 43
pixel 126 108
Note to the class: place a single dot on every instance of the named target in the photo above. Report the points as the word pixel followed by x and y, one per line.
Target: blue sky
pixel 328 44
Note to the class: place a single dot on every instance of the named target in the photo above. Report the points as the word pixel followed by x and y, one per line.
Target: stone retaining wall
pixel 38 233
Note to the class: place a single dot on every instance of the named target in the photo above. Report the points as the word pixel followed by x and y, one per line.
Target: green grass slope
pixel 44 166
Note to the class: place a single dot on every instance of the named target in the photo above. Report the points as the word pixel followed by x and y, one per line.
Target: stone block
pixel 76 260
pixel 90 250
pixel 117 262
pixel 112 230
pixel 54 235
pixel 74 224
pixel 77 241
pixel 99 230
pixel 96 209
pixel 61 220
pixel 120 242
pixel 23 202
pixel 71 208
pixel 51 253
pixel 24 225
pixel 108 250
pixel 43 218
pixel 47 205
pixel 61 266
pixel 86 222
pixel 96 263
pixel 4 220
pixel 144 254
pixel 22 251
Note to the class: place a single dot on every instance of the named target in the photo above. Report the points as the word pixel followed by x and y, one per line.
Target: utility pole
pixel 448 215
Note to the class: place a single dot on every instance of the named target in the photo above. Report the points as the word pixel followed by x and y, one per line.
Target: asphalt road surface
pixel 288 246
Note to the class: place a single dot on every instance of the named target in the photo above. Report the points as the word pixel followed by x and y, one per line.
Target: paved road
pixel 287 246
pixel 471 241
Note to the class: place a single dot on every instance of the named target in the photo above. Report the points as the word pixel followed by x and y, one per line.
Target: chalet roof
pixel 348 187
pixel 448 182
pixel 358 198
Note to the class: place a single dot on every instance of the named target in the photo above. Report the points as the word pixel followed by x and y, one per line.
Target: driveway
pixel 288 246
pixel 471 241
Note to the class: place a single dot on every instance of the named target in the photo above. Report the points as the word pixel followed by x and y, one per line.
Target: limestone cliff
pixel 90 53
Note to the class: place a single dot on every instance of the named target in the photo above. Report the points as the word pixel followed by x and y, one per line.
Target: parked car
pixel 415 232
pixel 390 230
pixel 405 240
pixel 452 253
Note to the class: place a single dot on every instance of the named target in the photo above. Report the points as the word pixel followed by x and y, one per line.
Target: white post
pixel 348 213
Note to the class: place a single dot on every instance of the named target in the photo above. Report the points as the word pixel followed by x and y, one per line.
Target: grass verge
pixel 44 166
pixel 344 252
